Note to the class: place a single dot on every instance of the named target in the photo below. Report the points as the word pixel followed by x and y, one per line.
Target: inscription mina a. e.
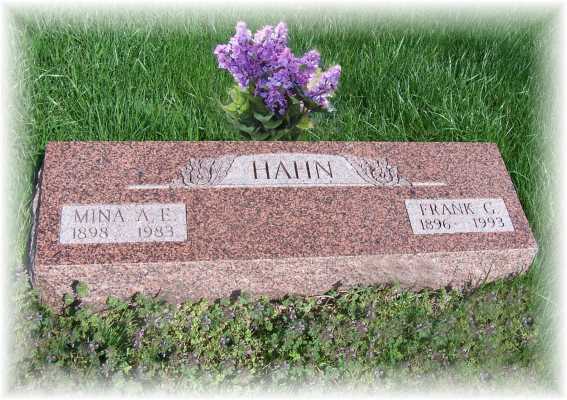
pixel 433 216
pixel 123 223
pixel 286 169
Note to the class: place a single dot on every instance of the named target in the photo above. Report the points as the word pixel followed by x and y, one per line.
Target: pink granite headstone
pixel 204 219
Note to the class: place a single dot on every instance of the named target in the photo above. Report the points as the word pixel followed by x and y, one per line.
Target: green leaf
pixel 244 107
pixel 263 118
pixel 236 95
pixel 258 105
pixel 261 136
pixel 294 114
pixel 248 119
pixel 68 299
pixel 273 124
pixel 277 135
pixel 81 289
pixel 231 107
pixel 246 128
pixel 115 302
pixel 305 122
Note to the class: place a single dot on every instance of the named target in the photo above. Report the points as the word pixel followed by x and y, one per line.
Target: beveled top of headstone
pixel 129 202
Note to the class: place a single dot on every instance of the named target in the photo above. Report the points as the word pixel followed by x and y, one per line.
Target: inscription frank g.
pixel 458 216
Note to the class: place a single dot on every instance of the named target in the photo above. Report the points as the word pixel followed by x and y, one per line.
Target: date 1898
pixel 123 223
pixel 90 232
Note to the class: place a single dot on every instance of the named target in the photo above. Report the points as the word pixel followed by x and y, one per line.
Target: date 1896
pixel 436 216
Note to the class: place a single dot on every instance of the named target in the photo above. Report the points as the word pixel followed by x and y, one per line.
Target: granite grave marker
pixel 204 219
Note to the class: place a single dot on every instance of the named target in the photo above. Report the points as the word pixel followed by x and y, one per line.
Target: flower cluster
pixel 264 64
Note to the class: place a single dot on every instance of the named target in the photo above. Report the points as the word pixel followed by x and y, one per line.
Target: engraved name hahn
pixel 286 169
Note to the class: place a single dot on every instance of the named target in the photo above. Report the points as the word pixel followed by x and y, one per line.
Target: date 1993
pixel 431 216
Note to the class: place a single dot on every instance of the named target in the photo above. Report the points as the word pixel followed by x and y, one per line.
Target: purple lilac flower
pixel 274 98
pixel 309 64
pixel 263 62
pixel 321 90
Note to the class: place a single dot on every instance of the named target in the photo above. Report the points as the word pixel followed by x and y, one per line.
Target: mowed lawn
pixel 149 78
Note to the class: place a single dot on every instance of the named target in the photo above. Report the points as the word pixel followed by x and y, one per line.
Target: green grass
pixel 144 79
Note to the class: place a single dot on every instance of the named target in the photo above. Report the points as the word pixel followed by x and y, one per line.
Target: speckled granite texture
pixel 273 240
